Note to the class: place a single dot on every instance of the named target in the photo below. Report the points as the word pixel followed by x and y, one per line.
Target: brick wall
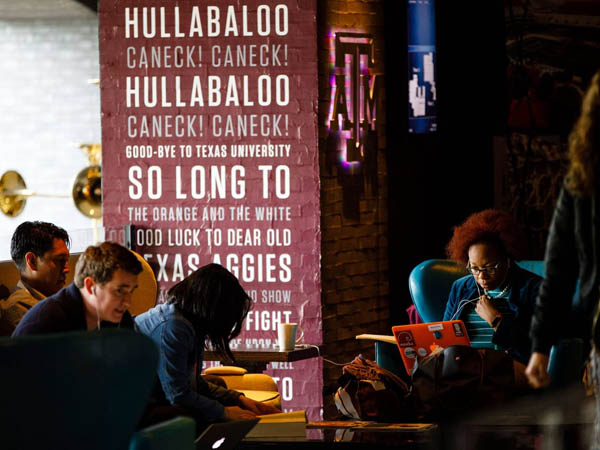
pixel 354 249
pixel 48 107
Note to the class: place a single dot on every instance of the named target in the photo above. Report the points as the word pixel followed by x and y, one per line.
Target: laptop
pixel 224 435
pixel 421 339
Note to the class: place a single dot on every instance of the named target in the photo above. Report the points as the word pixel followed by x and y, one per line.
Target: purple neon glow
pixel 344 135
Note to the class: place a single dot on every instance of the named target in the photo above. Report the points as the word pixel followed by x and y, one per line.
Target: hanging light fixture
pixel 87 187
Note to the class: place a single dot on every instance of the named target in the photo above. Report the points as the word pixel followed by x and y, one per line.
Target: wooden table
pixel 255 359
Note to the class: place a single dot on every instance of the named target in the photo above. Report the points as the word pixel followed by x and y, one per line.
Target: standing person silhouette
pixel 572 246
pixel 572 253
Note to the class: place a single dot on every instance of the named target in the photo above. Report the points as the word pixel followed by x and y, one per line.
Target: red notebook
pixel 420 339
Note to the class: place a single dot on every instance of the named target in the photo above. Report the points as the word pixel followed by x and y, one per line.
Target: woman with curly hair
pixel 572 248
pixel 496 301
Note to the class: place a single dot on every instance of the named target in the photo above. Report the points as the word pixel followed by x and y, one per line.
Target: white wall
pixel 47 107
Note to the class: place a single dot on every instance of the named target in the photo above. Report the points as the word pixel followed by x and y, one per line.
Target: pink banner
pixel 209 139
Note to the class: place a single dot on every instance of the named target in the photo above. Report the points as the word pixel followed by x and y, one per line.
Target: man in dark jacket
pixel 105 278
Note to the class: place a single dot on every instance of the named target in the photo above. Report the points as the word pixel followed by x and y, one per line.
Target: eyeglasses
pixel 488 270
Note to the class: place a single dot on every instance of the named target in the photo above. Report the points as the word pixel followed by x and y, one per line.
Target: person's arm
pixel 176 365
pixel 513 332
pixel 44 318
pixel 227 397
pixel 556 291
pixel 13 307
pixel 232 398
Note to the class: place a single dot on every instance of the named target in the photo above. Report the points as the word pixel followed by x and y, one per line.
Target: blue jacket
pixel 512 334
pixel 180 349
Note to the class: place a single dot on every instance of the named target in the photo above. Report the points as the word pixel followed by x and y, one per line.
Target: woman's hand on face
pixel 486 310
pixel 537 370
pixel 257 408
pixel 237 413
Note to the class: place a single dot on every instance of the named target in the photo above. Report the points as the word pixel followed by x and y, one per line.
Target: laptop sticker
pixel 435 327
pixel 458 329
pixel 410 353
pixel 406 339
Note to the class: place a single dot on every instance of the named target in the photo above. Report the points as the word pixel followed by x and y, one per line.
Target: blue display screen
pixel 422 95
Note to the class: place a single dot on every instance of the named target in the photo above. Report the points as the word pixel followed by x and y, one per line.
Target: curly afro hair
pixel 493 226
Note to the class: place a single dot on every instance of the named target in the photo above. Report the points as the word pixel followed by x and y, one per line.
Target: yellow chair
pixel 9 277
pixel 144 297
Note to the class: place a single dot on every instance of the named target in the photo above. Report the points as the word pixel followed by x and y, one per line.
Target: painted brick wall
pixel 47 108
pixel 354 251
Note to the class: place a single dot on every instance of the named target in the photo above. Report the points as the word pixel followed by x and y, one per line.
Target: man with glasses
pixel 100 295
pixel 40 250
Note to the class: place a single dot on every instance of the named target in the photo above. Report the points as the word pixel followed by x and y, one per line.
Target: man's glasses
pixel 488 270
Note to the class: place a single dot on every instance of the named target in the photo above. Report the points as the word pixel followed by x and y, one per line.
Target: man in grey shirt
pixel 40 252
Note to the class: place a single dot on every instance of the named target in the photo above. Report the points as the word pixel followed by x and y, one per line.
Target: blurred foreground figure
pixel 572 252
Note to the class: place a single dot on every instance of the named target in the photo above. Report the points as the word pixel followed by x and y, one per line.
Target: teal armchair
pixel 430 283
pixel 81 390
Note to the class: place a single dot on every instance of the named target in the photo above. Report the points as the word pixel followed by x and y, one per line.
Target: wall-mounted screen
pixel 422 95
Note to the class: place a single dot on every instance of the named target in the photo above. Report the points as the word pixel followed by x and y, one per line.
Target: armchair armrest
pixel 238 379
pixel 257 386
pixel 566 362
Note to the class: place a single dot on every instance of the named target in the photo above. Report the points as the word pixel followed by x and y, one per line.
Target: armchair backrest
pixel 143 298
pixel 74 390
pixel 430 282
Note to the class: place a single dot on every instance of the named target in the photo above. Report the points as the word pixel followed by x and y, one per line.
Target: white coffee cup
pixel 286 334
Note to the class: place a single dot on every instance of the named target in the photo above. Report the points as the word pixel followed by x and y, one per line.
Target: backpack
pixel 370 392
pixel 462 379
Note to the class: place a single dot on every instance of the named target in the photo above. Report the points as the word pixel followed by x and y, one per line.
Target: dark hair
pixel 100 262
pixel 584 156
pixel 491 226
pixel 37 237
pixel 213 299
